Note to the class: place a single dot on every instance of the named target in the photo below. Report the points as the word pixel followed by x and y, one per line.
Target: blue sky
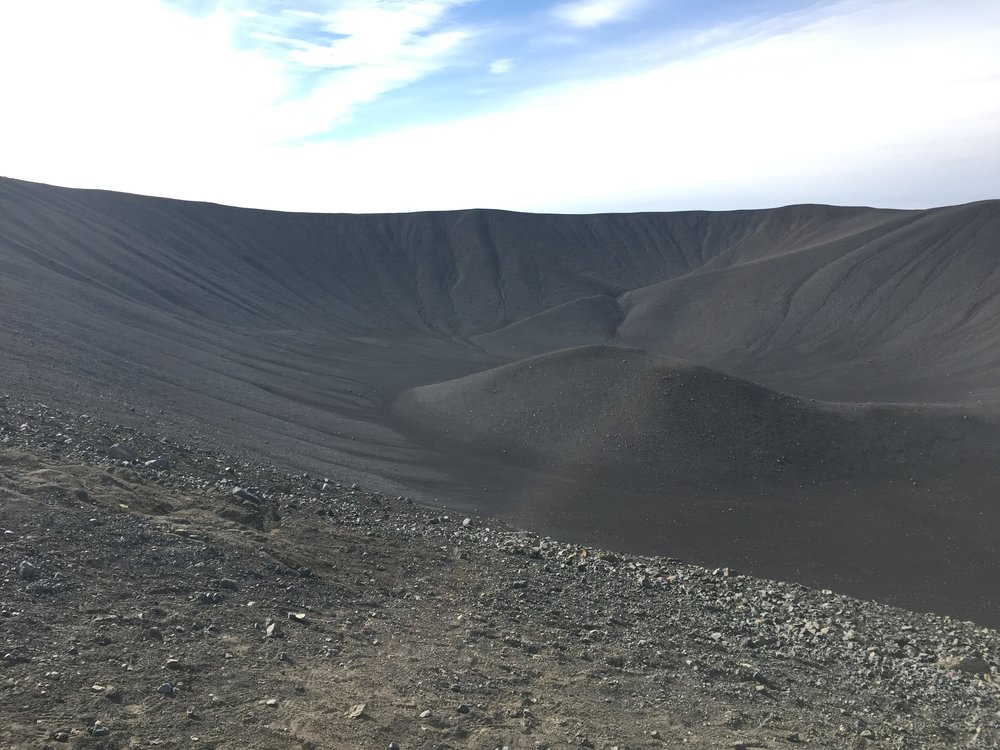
pixel 566 105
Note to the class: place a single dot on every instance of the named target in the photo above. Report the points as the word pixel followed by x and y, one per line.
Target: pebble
pixel 357 711
pixel 167 689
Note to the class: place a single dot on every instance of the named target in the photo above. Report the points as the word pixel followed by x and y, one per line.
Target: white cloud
pixel 891 103
pixel 501 66
pixel 884 105
pixel 118 73
pixel 589 13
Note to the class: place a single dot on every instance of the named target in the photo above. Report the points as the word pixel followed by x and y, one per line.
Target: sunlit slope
pixel 906 311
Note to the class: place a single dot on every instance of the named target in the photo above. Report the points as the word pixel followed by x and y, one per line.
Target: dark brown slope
pixel 287 336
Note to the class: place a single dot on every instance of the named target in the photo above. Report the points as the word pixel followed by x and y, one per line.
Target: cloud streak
pixel 587 14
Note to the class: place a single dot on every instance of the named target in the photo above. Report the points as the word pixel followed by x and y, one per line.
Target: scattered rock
pixel 167 689
pixel 158 464
pixel 357 711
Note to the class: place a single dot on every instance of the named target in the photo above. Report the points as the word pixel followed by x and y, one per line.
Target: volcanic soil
pixel 156 594
pixel 835 423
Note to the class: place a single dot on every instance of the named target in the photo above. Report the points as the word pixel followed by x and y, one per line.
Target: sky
pixel 571 106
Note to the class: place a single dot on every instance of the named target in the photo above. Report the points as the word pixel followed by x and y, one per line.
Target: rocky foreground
pixel 156 595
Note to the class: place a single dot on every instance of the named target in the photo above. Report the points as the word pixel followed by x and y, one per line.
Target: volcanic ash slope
pixel 618 443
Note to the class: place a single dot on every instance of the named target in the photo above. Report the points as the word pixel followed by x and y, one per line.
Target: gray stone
pixel 357 711
pixel 246 494
pixel 121 452
pixel 27 571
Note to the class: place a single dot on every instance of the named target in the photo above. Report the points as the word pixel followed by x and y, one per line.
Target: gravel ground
pixel 205 601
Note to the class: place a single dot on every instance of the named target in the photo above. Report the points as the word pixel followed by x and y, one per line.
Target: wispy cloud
pixel 501 65
pixel 381 33
pixel 587 14
pixel 357 52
